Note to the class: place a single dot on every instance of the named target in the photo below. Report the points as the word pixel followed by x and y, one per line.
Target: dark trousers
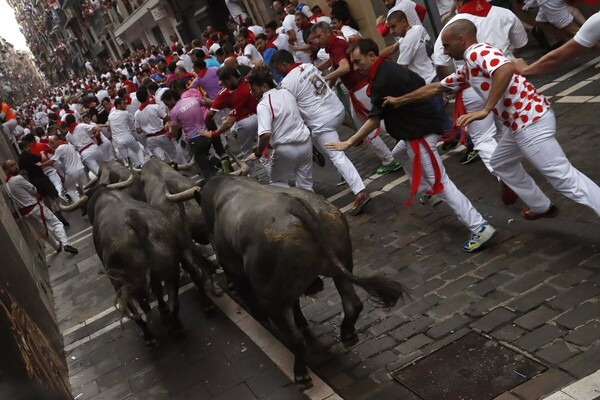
pixel 200 147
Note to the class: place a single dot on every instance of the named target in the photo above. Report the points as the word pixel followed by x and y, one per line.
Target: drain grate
pixel 470 368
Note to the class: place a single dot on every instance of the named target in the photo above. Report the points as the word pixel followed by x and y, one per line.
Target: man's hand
pixel 520 65
pixel 338 146
pixel 391 101
pixel 205 133
pixel 251 157
pixel 466 119
pixel 380 20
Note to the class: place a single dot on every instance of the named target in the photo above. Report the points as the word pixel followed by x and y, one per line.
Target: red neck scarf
pixel 305 24
pixel 315 16
pixel 480 8
pixel 147 103
pixel 271 44
pixel 8 176
pixel 293 66
pixel 373 72
pixel 72 126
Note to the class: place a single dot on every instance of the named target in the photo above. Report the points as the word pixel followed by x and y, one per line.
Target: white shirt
pixel 101 95
pixel 289 23
pixel 282 42
pixel 68 157
pixel 121 124
pixel 21 191
pixel 278 114
pixel 408 8
pixel 349 31
pixel 589 33
pixel 135 104
pixel 256 29
pixel 235 9
pixel 444 6
pixel 186 62
pixel 501 28
pixel 150 119
pixel 413 53
pixel 301 56
pixel 253 54
pixel 317 103
pixel 81 137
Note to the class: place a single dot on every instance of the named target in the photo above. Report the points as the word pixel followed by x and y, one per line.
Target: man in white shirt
pixel 67 156
pixel 248 49
pixel 122 126
pixel 37 215
pixel 281 126
pixel 83 136
pixel 586 38
pixel 345 31
pixel 236 10
pixel 323 114
pixel 150 120
pixel 502 29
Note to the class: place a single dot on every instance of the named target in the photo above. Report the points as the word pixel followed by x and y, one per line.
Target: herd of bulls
pixel 272 244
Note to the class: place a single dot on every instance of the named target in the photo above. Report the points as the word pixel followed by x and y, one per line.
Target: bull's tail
pixel 385 292
pixel 124 293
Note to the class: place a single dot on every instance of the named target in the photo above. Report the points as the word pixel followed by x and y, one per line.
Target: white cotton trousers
pixel 162 148
pixel 72 179
pixel 484 133
pixel 92 158
pixel 247 130
pixel 458 202
pixel 538 144
pixel 327 134
pixel 374 140
pixel 106 149
pixel 292 159
pixel 55 227
pixel 127 146
pixel 51 173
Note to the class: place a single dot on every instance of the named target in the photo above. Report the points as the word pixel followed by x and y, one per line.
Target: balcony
pixel 101 22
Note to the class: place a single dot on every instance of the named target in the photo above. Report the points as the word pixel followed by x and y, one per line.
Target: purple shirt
pixel 209 82
pixel 189 113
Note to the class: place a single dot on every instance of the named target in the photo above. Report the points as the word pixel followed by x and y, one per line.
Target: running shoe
pixel 470 156
pixel 478 239
pixel 430 200
pixel 391 167
pixel 532 216
pixel 318 157
pixel 360 202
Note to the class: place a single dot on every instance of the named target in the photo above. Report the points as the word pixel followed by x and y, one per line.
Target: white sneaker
pixel 486 232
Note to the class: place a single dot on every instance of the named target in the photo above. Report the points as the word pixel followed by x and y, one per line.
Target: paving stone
pixel 392 390
pixel 489 302
pixel 156 392
pixel 420 307
pixel 576 296
pixel 533 299
pixel 493 319
pixel 583 364
pixel 507 396
pixel 579 315
pixel 452 305
pixel 543 384
pixel 508 333
pixel 539 337
pixel 267 382
pixel 557 352
pixel 360 389
pixel 340 381
pixel 375 346
pixel 413 344
pixel 571 277
pixel 457 286
pixel 289 392
pixel 586 334
pixel 373 364
pixel 525 282
pixel 536 317
pixel 525 264
pixel 386 325
pixel 490 283
pixel 404 360
pixel 448 326
pixel 239 392
pixel 115 392
pixel 412 328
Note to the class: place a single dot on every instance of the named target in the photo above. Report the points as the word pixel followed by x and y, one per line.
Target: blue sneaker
pixel 478 239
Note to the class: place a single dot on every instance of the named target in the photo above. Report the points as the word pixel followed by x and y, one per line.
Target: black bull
pixel 272 244
pixel 139 249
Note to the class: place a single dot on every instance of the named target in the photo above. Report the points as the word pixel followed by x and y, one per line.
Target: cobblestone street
pixel 535 288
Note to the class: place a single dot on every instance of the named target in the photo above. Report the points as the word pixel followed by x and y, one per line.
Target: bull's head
pixel 83 200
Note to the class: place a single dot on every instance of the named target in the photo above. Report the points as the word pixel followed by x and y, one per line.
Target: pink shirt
pixel 189 114
pixel 209 82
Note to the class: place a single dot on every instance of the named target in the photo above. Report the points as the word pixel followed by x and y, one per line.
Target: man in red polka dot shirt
pixel 521 108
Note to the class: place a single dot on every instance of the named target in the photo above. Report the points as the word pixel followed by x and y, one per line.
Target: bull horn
pixel 90 183
pixel 121 185
pixel 187 194
pixel 244 168
pixel 73 206
pixel 188 165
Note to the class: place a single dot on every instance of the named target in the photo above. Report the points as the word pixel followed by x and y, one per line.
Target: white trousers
pixel 292 159
pixel 9 129
pixel 72 179
pixel 247 130
pixel 92 158
pixel 538 144
pixel 55 227
pixel 458 202
pixel 375 142
pixel 162 148
pixel 484 133
pixel 106 149
pixel 327 134
pixel 127 146
pixel 51 173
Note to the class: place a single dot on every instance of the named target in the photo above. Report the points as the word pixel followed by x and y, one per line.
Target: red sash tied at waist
pixel 437 186
pixel 159 133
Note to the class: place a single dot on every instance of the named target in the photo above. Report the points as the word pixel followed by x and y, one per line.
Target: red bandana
pixel 294 66
pixel 72 126
pixel 480 8
pixel 270 43
pixel 147 103
pixel 373 72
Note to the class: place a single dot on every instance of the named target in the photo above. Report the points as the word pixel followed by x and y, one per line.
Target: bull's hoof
pixel 152 343
pixel 304 380
pixel 350 340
